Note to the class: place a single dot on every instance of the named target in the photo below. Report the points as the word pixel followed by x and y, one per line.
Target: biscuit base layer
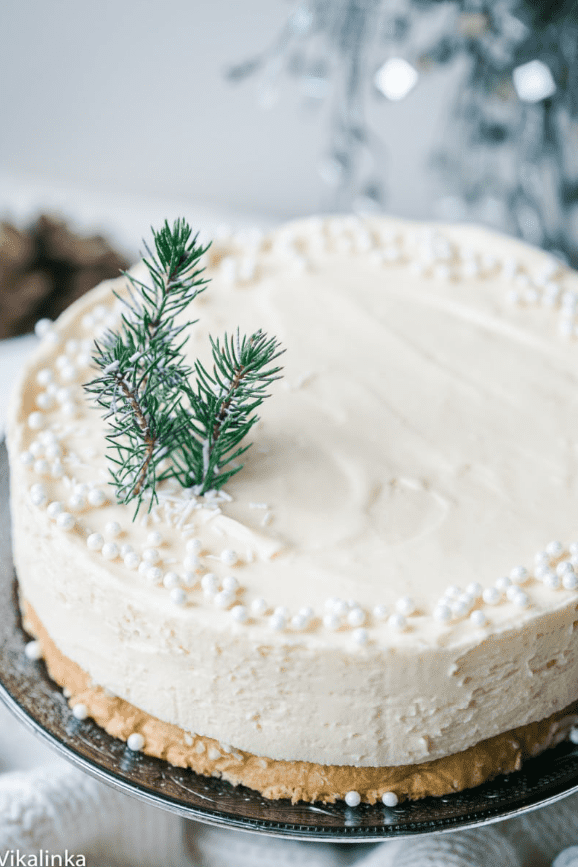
pixel 299 781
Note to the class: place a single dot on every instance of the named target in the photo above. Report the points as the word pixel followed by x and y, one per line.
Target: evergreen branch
pixel 160 425
pixel 142 368
pixel 222 407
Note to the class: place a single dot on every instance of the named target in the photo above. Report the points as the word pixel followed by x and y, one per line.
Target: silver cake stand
pixel 39 703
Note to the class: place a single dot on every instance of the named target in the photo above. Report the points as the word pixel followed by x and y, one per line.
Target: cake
pixel 383 602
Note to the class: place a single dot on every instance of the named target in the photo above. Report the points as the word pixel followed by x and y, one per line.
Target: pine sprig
pixel 142 369
pixel 162 425
pixel 222 407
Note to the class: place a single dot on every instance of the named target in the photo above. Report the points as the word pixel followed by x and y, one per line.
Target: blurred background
pixel 115 115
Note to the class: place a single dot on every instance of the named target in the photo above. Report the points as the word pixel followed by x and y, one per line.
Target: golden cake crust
pixel 299 781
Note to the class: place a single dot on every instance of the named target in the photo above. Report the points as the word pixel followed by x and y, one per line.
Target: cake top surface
pixel 417 455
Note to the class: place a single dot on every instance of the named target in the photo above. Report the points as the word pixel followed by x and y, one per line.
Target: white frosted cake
pixel 383 602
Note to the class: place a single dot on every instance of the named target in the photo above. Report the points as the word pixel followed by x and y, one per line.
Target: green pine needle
pixel 161 425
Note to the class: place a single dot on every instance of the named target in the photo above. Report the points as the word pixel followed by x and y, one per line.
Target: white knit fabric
pixel 57 807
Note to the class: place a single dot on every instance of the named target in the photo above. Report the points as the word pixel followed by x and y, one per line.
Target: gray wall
pixel 129 97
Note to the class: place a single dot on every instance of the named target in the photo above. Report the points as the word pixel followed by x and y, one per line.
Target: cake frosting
pixel 390 580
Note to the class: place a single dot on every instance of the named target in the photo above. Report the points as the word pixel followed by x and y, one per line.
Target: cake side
pixel 400 481
pixel 299 781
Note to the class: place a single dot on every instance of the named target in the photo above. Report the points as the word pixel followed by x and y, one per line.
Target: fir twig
pixel 222 407
pixel 161 425
pixel 142 368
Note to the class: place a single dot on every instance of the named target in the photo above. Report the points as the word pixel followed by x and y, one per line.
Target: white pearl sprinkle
pixel 230 584
pixel 135 742
pixel 475 589
pixel 224 599
pixel 171 580
pixel 397 622
pixel 442 613
pixel 555 548
pixel 190 579
pixel 57 470
pixel 573 548
pixel 389 799
pixel 132 560
pixel 573 736
pixel 65 521
pixel 356 617
pixel 239 613
pixel 552 580
pixel 36 420
pixel 154 538
pixel 229 557
pixel 519 575
pixel 95 542
pixel 405 605
pixel 453 591
pixel 80 711
pixel 110 551
pixel 259 606
pixel 380 612
pixel 38 494
pixel 54 509
pixel 69 408
pixel 68 373
pixel 331 622
pixel 42 327
pixel 353 799
pixel 151 555
pixel 112 529
pixel 521 599
pixel 193 546
pixel 191 563
pixel 178 596
pixel 45 400
pixel 77 502
pixel 96 497
pixel 491 595
pixel 563 568
pixel 458 608
pixel 154 574
pixel 570 581
pixel 44 376
pixel 277 622
pixel 503 583
pixel 210 584
pixel 478 618
pixel 63 395
pixel 125 549
pixel 299 622
pixel 53 451
pixel 360 636
pixel 33 650
pixel 41 467
pixel 541 558
pixel 27 459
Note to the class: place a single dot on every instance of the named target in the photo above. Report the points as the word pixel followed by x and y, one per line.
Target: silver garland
pixel 509 156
